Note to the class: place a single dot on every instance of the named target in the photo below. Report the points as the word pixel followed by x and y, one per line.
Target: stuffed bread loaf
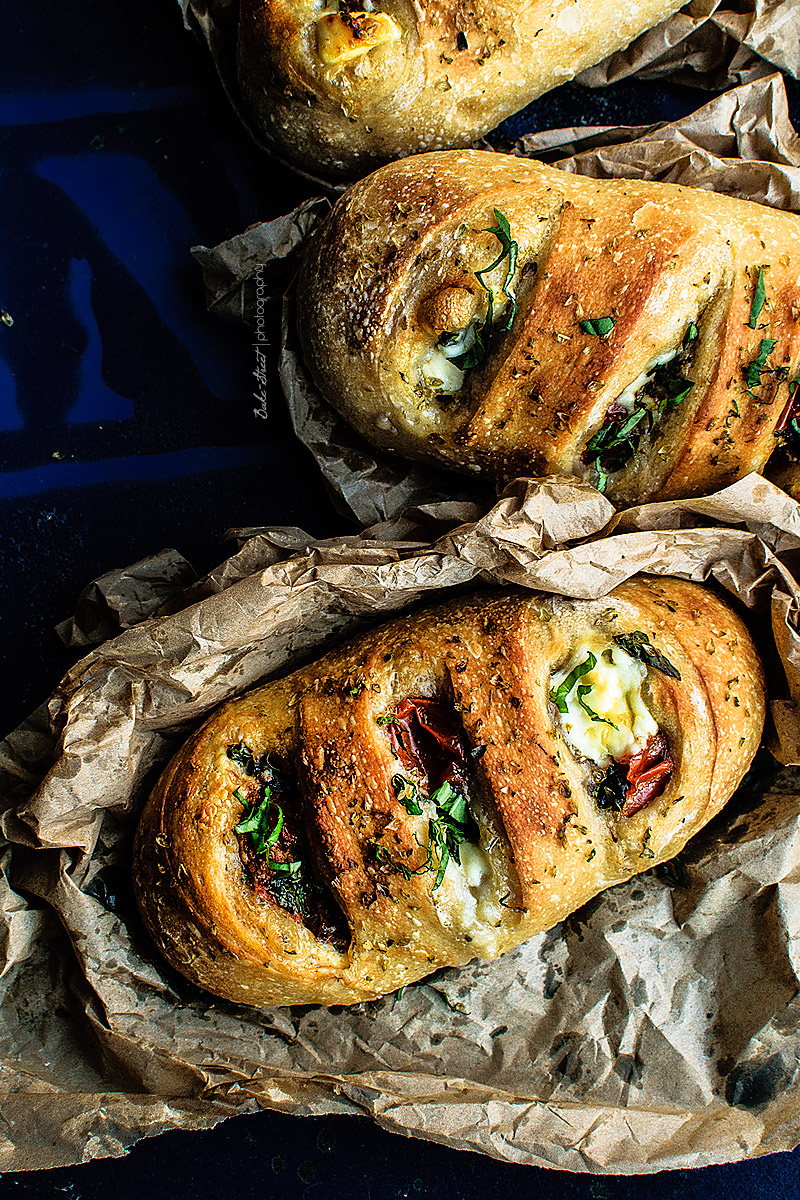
pixel 506 318
pixel 443 788
pixel 344 85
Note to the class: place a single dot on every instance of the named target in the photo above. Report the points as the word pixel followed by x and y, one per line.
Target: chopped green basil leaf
pixel 638 645
pixel 407 794
pixel 598 326
pixel 619 438
pixel 257 822
pixel 510 250
pixel 581 691
pixel 559 695
pixel 284 868
pixel 450 802
pixel 759 297
pixel 758 366
pixel 502 231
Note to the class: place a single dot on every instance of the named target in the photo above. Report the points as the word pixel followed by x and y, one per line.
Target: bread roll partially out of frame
pixel 506 318
pixel 341 86
pixel 443 788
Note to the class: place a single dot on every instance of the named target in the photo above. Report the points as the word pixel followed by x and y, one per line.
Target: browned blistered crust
pixel 492 656
pixel 379 281
pixel 452 72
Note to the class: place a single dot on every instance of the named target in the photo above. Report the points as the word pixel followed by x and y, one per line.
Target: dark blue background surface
pixel 126 424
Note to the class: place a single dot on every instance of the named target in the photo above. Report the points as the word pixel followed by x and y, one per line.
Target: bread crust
pixel 396 261
pixel 344 92
pixel 547 848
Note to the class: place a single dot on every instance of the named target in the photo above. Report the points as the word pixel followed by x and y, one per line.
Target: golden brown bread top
pixel 383 907
pixel 628 294
pixel 343 86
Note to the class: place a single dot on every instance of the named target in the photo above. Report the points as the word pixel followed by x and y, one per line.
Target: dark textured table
pixel 126 425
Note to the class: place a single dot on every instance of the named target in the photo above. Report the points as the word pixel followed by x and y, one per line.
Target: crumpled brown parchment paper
pixel 657 1027
pixel 741 143
pixel 709 43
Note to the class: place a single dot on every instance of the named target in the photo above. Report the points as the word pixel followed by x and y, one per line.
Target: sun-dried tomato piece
pixel 649 772
pixel 427 738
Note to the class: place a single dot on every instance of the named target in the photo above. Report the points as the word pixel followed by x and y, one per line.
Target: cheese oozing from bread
pixel 468 899
pixel 619 722
pixel 439 372
pixel 627 398
pixel 342 37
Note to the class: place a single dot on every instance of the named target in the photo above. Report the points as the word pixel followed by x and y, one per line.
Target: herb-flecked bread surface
pixel 444 787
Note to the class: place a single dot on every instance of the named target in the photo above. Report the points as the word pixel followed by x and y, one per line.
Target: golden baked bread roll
pixel 506 318
pixel 444 787
pixel 343 85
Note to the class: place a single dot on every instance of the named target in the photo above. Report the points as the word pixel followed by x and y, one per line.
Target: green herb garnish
pixel 285 868
pixel 447 832
pixel 451 803
pixel 407 794
pixel 618 439
pixel 383 857
pixel 258 819
pixel 243 757
pixel 598 326
pixel 759 298
pixel 257 824
pixel 612 446
pixel 638 645
pixel 510 249
pixel 560 694
pixel 758 366
pixel 668 388
pixel 582 689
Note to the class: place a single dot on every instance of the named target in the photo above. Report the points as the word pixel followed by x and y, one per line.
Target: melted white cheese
pixel 467 900
pixel 615 696
pixel 628 396
pixel 438 372
pixel 338 43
